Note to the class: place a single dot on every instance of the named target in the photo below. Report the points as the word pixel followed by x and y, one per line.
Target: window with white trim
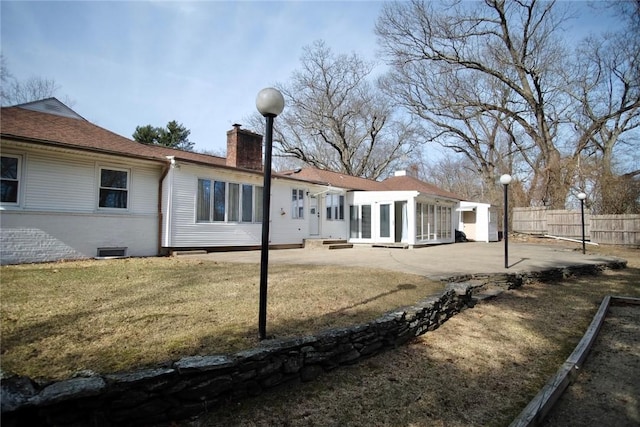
pixel 10 179
pixel 335 206
pixel 219 201
pixel 297 203
pixel 433 222
pixel 360 222
pixel 114 188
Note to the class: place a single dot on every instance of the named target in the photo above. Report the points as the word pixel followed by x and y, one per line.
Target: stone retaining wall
pixel 192 385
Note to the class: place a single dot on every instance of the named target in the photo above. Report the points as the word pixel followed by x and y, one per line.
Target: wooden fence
pixel 529 220
pixel 616 229
pixel 568 224
pixel 606 229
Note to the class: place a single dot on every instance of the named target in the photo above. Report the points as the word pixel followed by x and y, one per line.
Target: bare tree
pixel 605 91
pixel 336 119
pixel 34 88
pixel 494 63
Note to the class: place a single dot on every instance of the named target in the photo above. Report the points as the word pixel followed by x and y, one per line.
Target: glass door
pixel 385 219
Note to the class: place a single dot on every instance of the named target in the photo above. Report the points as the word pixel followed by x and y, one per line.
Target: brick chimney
pixel 244 149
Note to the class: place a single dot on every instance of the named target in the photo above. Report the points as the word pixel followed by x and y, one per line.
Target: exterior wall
pixel 57 214
pixel 180 204
pixel 184 230
pixel 27 237
pixel 396 199
pixel 485 227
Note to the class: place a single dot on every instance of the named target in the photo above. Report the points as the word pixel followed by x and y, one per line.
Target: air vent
pixel 112 252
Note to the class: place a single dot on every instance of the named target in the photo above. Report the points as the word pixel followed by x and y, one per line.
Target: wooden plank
pixel 541 404
pixel 582 349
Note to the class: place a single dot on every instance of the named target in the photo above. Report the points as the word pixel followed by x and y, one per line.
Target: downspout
pixel 165 172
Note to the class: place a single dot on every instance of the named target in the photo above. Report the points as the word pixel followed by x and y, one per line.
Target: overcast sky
pixel 125 64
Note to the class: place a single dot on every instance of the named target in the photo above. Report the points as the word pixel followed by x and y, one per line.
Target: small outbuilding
pixel 478 221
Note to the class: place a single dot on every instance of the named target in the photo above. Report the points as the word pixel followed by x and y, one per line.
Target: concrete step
pixel 340 246
pixel 326 244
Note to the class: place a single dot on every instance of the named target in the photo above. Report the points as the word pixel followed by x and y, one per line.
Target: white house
pixel 399 211
pixel 71 189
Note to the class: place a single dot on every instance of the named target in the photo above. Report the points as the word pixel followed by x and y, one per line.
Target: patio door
pixel 314 216
pixel 385 222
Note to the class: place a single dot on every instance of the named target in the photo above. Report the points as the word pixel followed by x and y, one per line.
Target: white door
pixel 314 217
pixel 385 222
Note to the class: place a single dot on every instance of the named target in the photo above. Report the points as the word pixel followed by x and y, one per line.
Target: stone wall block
pixel 16 393
pixel 204 363
pixel 74 388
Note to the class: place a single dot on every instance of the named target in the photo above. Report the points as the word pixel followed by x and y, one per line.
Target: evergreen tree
pixel 174 135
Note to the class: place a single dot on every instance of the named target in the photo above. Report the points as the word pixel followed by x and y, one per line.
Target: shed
pixel 478 221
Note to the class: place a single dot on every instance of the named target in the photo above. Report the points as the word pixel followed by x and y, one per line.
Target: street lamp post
pixel 582 196
pixel 505 180
pixel 269 103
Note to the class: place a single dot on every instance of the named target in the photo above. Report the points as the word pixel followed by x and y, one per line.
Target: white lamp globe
pixel 270 102
pixel 505 179
pixel 582 196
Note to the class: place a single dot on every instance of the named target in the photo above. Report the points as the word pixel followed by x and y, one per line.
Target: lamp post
pixel 582 196
pixel 505 180
pixel 269 103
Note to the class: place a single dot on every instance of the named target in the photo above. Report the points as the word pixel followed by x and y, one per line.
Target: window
pixel 204 200
pixel 247 203
pixel 220 201
pixel 10 179
pixel 234 203
pixel 114 188
pixel 360 222
pixel 335 207
pixel 385 220
pixel 354 221
pixel 297 204
pixel 257 204
pixel 433 222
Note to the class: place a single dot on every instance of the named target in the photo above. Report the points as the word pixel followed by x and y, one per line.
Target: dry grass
pixel 115 315
pixel 479 369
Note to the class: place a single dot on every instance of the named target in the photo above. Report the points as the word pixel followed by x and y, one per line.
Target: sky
pixel 130 63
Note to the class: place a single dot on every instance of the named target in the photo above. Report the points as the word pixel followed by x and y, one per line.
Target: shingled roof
pixel 395 183
pixel 64 130
pixel 55 124
pixel 334 179
pixel 408 183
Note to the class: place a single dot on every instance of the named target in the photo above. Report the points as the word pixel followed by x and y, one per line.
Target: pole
pixel 264 252
pixel 506 226
pixel 582 217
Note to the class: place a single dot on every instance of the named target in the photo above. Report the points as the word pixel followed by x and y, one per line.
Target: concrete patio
pixel 433 261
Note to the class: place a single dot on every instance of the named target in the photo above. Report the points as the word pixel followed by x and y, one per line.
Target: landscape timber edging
pixel 195 384
pixel 538 408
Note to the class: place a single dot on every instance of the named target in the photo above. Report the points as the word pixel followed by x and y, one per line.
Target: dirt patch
pixel 607 390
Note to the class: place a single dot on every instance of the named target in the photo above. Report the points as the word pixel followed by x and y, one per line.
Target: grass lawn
pixel 480 368
pixel 115 315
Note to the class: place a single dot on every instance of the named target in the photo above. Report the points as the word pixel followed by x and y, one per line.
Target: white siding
pixel 58 215
pixel 69 183
pixel 283 228
pixel 36 237
pixel 143 197
pixel 60 184
pixel 374 198
pixel 186 232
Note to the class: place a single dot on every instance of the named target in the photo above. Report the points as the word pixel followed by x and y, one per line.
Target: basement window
pixel 112 252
